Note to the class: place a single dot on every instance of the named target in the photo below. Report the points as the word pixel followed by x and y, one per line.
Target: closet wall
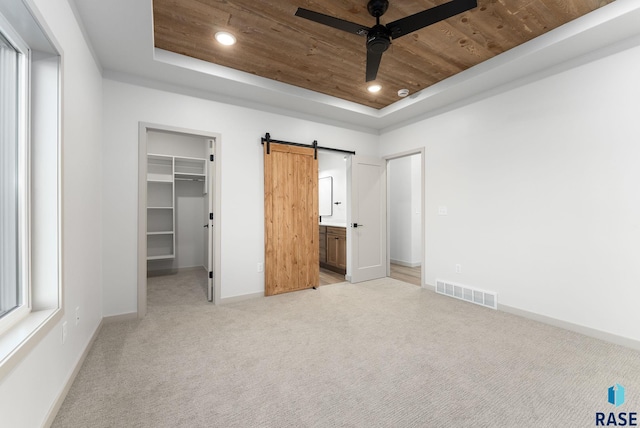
pixel 190 202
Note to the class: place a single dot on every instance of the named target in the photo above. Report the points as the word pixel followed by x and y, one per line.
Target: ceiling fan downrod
pixel 379 36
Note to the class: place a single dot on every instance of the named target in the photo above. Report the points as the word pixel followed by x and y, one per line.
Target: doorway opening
pixel 405 217
pixel 178 206
pixel 333 203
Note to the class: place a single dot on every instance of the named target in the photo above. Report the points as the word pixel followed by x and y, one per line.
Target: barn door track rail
pixel 268 140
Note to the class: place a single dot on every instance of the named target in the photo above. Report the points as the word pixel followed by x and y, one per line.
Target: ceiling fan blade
pixel 411 23
pixel 373 63
pixel 340 24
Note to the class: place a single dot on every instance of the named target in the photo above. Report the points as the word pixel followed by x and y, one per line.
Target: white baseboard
pixel 120 318
pixel 587 331
pixel 55 407
pixel 406 264
pixel 240 298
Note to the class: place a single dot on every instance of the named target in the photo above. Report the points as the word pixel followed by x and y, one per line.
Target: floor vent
pixel 469 294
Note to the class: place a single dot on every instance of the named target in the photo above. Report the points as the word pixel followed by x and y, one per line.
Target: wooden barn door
pixel 291 219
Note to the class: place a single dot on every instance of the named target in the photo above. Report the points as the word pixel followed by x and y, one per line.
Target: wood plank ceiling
pixel 275 44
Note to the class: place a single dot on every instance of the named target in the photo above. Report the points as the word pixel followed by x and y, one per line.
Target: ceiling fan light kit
pixel 379 37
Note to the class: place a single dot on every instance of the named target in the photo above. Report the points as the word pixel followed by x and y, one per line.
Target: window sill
pixel 20 339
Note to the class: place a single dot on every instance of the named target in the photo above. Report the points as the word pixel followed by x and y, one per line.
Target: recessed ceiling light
pixel 403 93
pixel 374 88
pixel 225 38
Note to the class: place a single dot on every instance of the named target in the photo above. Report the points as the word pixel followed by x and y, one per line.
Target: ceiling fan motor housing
pixel 378 39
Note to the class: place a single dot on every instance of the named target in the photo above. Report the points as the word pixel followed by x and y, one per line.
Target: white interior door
pixel 368 223
pixel 210 216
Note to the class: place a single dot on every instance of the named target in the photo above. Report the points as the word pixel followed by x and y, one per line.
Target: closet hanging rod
pixel 268 139
pixel 188 179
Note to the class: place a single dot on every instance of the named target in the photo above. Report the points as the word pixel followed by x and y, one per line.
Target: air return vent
pixel 469 294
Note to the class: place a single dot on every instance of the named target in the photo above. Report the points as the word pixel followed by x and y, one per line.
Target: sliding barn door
pixel 291 219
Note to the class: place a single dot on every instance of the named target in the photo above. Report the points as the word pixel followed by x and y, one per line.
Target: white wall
pixel 190 221
pixel 404 210
pixel 175 144
pixel 331 164
pixel 541 186
pixel 241 163
pixel 28 392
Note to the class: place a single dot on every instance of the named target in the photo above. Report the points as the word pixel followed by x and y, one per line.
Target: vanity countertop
pixel 332 224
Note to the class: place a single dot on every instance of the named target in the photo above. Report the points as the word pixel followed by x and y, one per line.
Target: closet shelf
pixel 189 176
pixel 159 168
pixel 159 208
pixel 171 256
pixel 189 165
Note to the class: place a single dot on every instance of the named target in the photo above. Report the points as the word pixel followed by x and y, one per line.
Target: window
pixel 30 184
pixel 14 242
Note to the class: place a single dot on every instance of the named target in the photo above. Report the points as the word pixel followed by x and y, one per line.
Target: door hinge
pixel 212 157
pixel 210 216
pixel 211 274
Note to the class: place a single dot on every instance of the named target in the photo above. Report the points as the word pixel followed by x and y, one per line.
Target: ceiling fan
pixel 379 36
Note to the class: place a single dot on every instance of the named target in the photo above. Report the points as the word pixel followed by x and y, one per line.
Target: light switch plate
pixel 64 332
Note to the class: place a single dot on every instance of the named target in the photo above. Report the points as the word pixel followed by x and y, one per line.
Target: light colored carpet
pixel 377 354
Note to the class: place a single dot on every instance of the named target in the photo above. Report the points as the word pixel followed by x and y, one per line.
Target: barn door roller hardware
pixel 268 140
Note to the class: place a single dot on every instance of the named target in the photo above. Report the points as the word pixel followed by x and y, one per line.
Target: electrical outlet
pixel 458 268
pixel 64 332
pixel 77 315
pixel 260 267
pixel 442 210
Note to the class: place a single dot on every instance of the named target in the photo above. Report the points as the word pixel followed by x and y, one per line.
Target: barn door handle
pixel 357 225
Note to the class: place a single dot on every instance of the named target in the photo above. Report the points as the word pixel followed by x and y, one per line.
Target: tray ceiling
pixel 275 44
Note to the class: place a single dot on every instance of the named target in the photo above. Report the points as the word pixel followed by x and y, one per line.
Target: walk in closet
pixel 178 183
